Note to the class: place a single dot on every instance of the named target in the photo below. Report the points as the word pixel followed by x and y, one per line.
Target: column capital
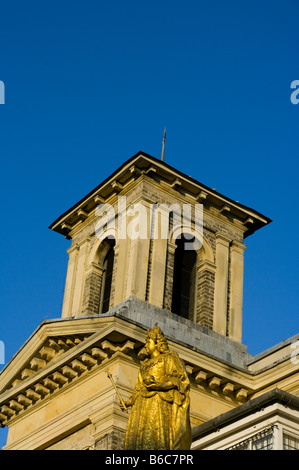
pixel 238 246
pixel 94 267
pixel 206 265
pixel 73 249
pixel 77 246
pixel 222 239
pixel 116 248
pixel 83 241
pixel 171 247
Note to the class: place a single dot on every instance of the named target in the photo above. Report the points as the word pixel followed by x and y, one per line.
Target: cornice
pixel 56 362
pixel 144 164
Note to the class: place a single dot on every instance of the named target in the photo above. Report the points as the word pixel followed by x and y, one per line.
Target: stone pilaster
pixel 70 281
pixel 236 290
pixel 221 284
pixel 169 275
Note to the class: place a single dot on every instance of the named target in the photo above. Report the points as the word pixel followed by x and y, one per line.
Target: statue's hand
pixel 152 386
pixel 160 386
pixel 148 381
pixel 127 405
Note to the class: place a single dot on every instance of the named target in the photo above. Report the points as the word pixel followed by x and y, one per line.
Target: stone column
pixel 70 281
pixel 121 253
pixel 80 277
pixel 171 247
pixel 137 268
pixel 221 284
pixel 115 264
pixel 138 233
pixel 236 290
pixel 158 257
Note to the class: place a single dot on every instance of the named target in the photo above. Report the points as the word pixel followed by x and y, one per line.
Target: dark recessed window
pixel 184 280
pixel 107 279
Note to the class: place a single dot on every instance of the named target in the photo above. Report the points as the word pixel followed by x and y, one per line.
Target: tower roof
pixel 144 164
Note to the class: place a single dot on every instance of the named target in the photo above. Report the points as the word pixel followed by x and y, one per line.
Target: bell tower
pixel 128 241
pixel 148 245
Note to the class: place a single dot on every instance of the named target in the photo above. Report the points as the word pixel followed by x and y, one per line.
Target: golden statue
pixel 159 418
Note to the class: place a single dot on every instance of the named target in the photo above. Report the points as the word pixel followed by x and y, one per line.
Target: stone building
pixel 124 275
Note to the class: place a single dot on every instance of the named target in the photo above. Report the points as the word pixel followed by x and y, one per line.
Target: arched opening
pixel 184 280
pixel 106 284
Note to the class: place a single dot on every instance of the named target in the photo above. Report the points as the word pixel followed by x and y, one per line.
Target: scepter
pixel 116 389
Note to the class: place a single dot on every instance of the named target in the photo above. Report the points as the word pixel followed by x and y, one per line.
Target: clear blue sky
pixel 88 84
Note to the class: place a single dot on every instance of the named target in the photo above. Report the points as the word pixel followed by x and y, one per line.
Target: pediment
pixel 50 350
pixel 55 355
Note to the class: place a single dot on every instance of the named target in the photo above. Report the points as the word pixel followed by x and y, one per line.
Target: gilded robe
pixel 159 419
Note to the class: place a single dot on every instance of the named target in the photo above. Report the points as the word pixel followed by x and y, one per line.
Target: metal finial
pixel 163 145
